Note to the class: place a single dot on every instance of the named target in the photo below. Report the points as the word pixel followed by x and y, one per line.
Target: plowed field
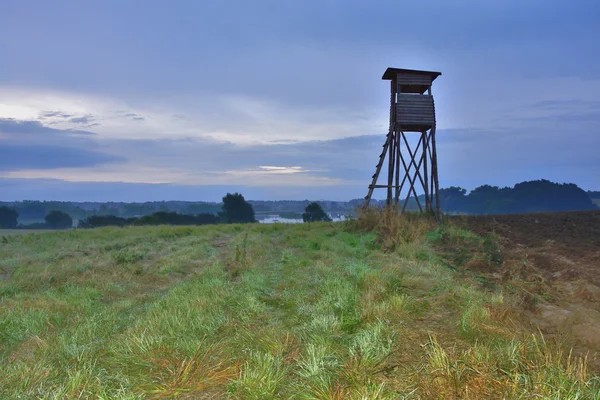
pixel 560 253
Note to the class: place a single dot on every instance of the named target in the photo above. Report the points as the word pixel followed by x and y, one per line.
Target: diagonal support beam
pixel 417 172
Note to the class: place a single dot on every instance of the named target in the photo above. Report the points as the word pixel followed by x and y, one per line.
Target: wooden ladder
pixel 372 186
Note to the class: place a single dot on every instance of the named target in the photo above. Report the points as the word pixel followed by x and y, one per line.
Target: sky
pixel 279 99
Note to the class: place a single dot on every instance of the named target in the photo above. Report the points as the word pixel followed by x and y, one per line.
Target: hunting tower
pixel 412 111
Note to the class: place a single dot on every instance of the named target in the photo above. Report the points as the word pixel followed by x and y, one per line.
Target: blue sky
pixel 186 100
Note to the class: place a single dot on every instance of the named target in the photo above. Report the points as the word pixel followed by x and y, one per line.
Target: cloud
pixel 30 145
pixel 13 127
pixel 199 161
pixel 239 118
pixel 58 190
pixel 467 158
pixel 82 120
pixel 134 117
pixel 48 157
pixel 281 170
pixel 50 114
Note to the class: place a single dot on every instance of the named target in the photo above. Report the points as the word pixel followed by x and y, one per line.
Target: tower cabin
pixel 412 106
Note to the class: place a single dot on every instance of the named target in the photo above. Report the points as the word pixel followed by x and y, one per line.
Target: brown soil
pixel 554 258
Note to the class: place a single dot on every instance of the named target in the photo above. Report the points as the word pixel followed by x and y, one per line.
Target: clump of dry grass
pixel 393 229
pixel 202 372
pixel 515 369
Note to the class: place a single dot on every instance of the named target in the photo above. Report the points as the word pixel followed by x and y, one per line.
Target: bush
pixel 236 210
pixel 8 218
pixel 59 220
pixel 392 228
pixel 314 212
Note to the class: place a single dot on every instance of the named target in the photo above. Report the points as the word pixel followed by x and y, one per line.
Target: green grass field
pixel 309 311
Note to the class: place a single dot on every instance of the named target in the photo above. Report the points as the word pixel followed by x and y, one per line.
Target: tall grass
pixel 316 311
pixel 393 229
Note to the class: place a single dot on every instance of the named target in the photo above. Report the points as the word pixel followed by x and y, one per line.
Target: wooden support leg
pixel 425 175
pixel 398 187
pixel 391 164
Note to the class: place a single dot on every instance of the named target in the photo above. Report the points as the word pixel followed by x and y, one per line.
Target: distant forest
pixel 524 197
pixel 531 196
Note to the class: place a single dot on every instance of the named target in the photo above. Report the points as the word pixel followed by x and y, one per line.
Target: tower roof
pixel 390 73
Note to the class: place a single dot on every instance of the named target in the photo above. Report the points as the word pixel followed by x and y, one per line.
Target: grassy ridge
pixel 310 311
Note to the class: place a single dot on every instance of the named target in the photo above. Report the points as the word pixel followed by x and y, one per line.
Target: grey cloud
pixel 12 127
pixel 16 157
pixel 82 120
pixel 29 145
pixel 467 157
pixel 57 190
pixel 349 159
pixel 133 116
pixel 49 114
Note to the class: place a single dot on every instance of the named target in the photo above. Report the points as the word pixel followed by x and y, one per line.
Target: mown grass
pixel 360 310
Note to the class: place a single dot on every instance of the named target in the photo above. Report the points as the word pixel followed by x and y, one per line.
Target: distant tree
pixel 314 212
pixel 531 196
pixel 452 198
pixel 201 208
pixel 206 219
pixel 236 209
pixel 8 218
pixel 59 220
pixel 543 195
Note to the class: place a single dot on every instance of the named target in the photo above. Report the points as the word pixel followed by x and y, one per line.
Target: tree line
pixel 35 211
pixel 53 220
pixel 525 197
pixel 532 196
pixel 235 209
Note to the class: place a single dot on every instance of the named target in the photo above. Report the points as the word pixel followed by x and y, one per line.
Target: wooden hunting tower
pixel 411 110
